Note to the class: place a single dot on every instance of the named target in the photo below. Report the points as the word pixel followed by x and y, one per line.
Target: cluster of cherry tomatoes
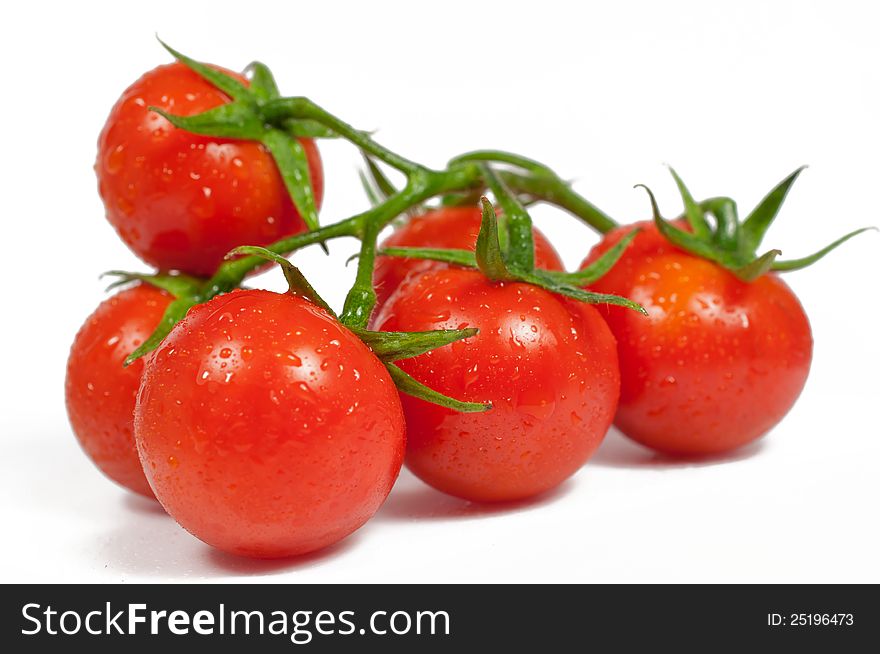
pixel 267 426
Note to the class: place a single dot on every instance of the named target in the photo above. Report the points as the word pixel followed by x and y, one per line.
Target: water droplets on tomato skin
pixel 471 375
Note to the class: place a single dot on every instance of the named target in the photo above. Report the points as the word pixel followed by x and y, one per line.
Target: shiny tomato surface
pixel 547 364
pixel 267 429
pixel 182 201
pixel 100 392
pixel 716 364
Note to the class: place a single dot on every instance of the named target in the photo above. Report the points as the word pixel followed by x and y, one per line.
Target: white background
pixel 735 95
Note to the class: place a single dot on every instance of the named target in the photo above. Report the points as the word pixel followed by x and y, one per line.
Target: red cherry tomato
pixel 182 201
pixel 266 428
pixel 548 364
pixel 449 227
pixel 100 392
pixel 716 364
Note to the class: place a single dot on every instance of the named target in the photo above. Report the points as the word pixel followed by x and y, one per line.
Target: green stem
pixel 520 243
pixel 231 273
pixel 361 298
pixel 421 185
pixel 556 191
pixel 542 183
pixel 302 108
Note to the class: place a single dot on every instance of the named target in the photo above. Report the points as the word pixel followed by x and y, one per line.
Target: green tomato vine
pixel 505 248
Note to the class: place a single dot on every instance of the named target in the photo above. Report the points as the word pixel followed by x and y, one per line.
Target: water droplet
pixel 115 160
pixel 471 375
pixel 537 402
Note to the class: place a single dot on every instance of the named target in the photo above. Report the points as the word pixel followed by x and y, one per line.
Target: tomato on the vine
pixel 265 427
pixel 100 393
pixel 182 201
pixel 447 227
pixel 717 362
pixel 547 363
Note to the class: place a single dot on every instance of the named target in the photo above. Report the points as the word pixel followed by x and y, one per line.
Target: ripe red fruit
pixel 547 363
pixel 100 392
pixel 266 428
pixel 182 201
pixel 718 361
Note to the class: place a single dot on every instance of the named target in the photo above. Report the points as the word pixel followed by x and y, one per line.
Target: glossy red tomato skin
pixel 717 363
pixel 100 393
pixel 449 227
pixel 265 428
pixel 182 201
pixel 547 364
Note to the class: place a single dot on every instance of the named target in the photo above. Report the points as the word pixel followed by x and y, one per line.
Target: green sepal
pixel 489 256
pixel 174 313
pixel 599 267
pixel 758 221
pixel 296 281
pixel 293 164
pixel 407 384
pixel 554 281
pixel 380 180
pixel 370 190
pixel 393 346
pixel 229 85
pixel 243 119
pixel 684 240
pixel 803 262
pixel 733 243
pixel 379 188
pixel 727 226
pixel 547 282
pixel 262 80
pixel 234 120
pixel 464 258
pixel 692 210
pixel 757 267
pixel 177 284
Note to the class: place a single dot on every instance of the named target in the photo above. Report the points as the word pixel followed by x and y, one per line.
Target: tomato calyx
pixel 505 251
pixel 388 347
pixel 728 241
pixel 244 118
